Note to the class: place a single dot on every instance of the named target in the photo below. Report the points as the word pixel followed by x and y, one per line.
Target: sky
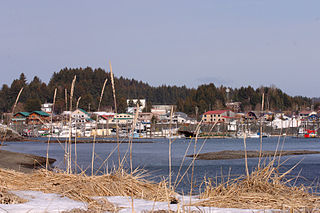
pixel 174 42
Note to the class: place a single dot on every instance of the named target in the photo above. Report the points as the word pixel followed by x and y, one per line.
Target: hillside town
pixel 163 121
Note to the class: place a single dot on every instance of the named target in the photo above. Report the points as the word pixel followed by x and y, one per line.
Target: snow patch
pixel 42 202
pixel 145 206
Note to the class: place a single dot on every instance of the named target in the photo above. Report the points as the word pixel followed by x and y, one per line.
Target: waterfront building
pixel 123 118
pixel 80 116
pixel 106 118
pixel 20 118
pixel 47 107
pixel 158 110
pixel 177 118
pixel 218 116
pixel 38 117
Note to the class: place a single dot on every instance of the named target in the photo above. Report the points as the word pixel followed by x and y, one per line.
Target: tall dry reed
pixel 170 145
pixel 261 119
pixel 69 152
pixel 115 110
pixel 51 128
pixel 12 112
pixel 264 188
pixel 75 140
pixel 97 121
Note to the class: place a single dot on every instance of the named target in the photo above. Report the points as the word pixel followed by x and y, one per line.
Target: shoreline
pixel 239 154
pixel 22 162
pixel 63 140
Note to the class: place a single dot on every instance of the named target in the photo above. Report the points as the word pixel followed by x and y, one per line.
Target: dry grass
pixel 97 206
pixel 82 188
pixel 7 197
pixel 159 211
pixel 264 188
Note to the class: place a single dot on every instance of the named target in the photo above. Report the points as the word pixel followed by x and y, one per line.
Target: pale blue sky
pixel 234 43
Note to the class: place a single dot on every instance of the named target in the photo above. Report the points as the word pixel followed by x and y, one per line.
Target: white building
pixel 47 107
pixel 80 116
pixel 177 118
pixel 158 110
pixel 285 122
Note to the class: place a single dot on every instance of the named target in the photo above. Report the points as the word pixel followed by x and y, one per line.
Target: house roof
pixel 42 113
pixel 25 114
pixel 82 110
pixel 106 117
pixel 215 112
pixel 305 112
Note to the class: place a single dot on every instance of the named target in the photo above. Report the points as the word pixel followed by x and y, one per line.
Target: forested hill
pixel 90 82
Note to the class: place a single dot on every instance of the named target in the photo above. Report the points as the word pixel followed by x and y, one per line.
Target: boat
pixel 249 135
pixel 310 134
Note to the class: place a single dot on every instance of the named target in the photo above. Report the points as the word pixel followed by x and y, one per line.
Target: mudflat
pixel 238 154
pixel 22 162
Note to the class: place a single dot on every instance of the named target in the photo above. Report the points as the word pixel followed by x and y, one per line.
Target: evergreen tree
pixel 32 104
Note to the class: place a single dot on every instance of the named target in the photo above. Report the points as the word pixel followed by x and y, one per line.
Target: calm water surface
pixel 153 157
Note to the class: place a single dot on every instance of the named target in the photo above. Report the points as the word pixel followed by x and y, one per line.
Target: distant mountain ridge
pixel 90 81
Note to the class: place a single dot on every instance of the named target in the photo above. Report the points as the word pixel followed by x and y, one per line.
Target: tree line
pixel 89 83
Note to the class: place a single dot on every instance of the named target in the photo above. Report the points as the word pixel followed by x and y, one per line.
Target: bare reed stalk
pixel 245 153
pixel 279 139
pixel 115 110
pixel 51 128
pixel 130 145
pixel 13 108
pixel 264 189
pixel 75 141
pixel 65 121
pixel 17 99
pixel 170 143
pixel 192 169
pixel 260 152
pixel 185 154
pixel 66 98
pixel 69 161
pixel 283 141
pixel 197 154
pixel 132 132
pixel 97 120
pixel 107 158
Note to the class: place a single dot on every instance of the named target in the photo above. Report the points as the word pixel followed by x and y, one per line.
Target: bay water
pixel 153 157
